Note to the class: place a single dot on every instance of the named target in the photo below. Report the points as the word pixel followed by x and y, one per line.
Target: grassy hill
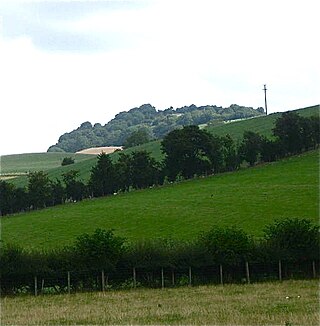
pixel 249 198
pixel 262 125
pixel 22 163
pixel 51 162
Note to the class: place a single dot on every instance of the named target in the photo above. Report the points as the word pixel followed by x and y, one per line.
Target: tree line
pixel 289 240
pixel 152 123
pixel 188 152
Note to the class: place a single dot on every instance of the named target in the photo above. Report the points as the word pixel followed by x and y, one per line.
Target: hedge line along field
pixel 250 198
pixel 282 303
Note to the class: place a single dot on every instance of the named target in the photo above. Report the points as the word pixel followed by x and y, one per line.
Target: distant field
pixel 36 161
pixel 254 304
pixel 249 198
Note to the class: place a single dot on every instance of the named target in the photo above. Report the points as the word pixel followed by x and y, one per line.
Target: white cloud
pixel 164 53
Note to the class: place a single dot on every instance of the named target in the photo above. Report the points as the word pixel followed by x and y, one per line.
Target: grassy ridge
pixel 254 304
pixel 262 125
pixel 249 198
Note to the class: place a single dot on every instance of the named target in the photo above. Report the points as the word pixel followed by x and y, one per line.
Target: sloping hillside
pixel 263 125
pixel 249 198
pixel 36 161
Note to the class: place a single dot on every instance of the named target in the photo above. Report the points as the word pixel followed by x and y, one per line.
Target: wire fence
pixel 53 282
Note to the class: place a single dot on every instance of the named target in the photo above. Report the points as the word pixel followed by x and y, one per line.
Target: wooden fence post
pixel 134 278
pixel 102 280
pixel 247 272
pixel 42 285
pixel 107 281
pixel 35 286
pixel 162 278
pixel 172 277
pixel 69 283
pixel 221 274
pixel 314 272
pixel 190 276
pixel 280 270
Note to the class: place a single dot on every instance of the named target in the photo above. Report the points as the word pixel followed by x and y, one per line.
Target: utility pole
pixel 265 98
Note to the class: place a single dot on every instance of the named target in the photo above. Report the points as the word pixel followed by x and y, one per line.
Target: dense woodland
pixel 145 123
pixel 189 152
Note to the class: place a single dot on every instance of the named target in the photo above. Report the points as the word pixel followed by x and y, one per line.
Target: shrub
pixel 228 245
pixel 292 239
pixel 67 161
pixel 100 250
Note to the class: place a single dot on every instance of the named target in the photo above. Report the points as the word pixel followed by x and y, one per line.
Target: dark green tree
pixel 39 189
pixel 289 130
pixel 270 149
pixel 250 147
pixel 228 245
pixel 310 132
pixel 67 161
pixel 137 137
pixel 123 175
pixel 75 189
pixel 58 192
pixel 99 250
pixel 7 191
pixel 144 170
pixel 229 158
pixel 292 239
pixel 103 176
pixel 188 152
pixel 20 200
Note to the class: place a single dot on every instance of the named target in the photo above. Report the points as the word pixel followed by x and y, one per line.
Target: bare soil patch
pixel 99 150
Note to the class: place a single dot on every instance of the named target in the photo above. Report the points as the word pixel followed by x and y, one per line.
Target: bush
pixel 292 239
pixel 228 245
pixel 97 251
pixel 67 161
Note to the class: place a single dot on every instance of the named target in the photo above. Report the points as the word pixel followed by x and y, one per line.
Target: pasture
pixel 262 125
pixel 20 164
pixel 250 198
pixel 278 303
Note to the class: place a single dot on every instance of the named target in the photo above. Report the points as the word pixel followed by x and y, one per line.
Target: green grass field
pixel 250 198
pixel 262 125
pixel 254 304
pixel 36 161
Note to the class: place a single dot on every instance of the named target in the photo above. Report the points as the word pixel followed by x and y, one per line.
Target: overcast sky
pixel 66 62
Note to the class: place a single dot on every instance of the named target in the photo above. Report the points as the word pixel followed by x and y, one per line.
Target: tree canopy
pixel 144 123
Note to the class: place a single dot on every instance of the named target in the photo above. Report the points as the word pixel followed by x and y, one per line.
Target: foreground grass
pixel 255 304
pixel 250 199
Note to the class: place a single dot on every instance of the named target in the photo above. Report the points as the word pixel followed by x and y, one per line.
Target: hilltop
pixel 154 124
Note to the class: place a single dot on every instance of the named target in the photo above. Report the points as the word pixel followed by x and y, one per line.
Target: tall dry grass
pixel 255 304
